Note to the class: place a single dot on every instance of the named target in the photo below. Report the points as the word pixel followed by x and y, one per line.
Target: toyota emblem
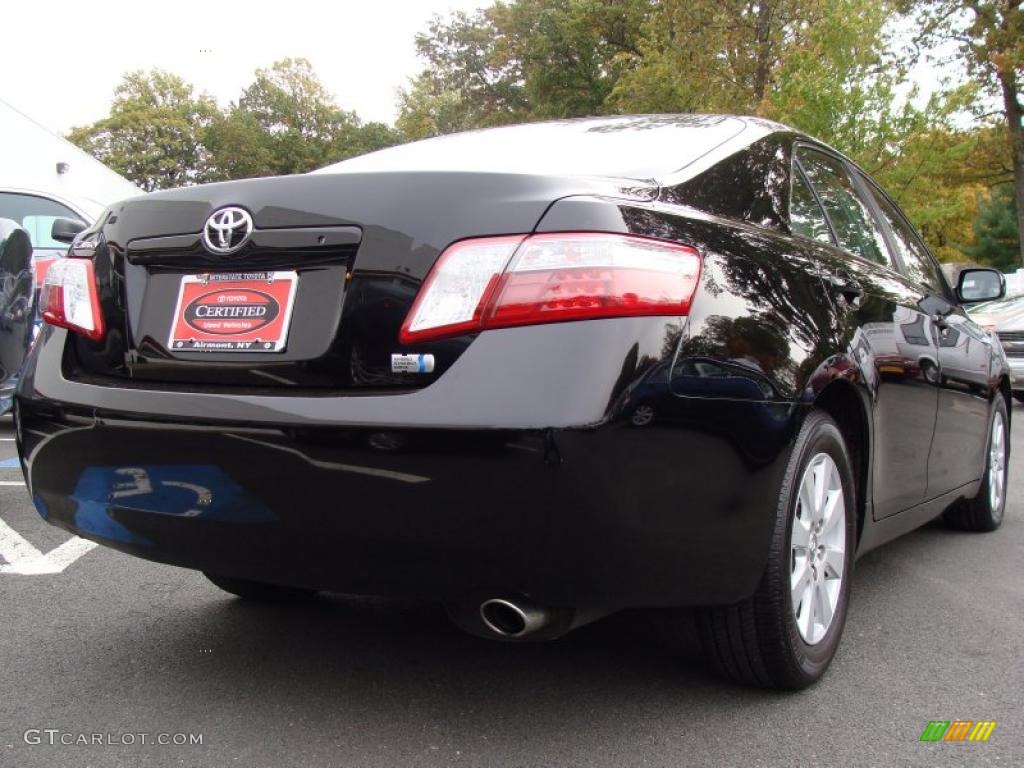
pixel 227 230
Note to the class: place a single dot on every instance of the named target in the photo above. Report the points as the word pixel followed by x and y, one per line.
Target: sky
pixel 63 65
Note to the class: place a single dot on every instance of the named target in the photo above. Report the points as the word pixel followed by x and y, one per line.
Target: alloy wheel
pixel 818 548
pixel 997 464
pixel 642 416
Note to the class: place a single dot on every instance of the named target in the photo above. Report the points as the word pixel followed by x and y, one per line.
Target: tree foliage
pixel 995 230
pixel 520 60
pixel 160 134
pixel 990 38
pixel 836 69
pixel 154 132
pixel 722 56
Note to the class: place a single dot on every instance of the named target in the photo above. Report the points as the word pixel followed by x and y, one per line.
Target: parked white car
pixel 51 190
pixel 44 177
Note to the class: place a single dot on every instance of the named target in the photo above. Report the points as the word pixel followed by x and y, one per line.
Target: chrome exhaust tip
pixel 512 620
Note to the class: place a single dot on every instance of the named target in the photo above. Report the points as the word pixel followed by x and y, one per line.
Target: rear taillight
pixel 500 282
pixel 68 297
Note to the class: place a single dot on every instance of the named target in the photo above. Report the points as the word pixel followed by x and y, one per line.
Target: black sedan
pixel 538 373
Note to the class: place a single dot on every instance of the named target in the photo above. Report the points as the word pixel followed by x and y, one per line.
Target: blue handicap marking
pixel 10 463
pixel 204 492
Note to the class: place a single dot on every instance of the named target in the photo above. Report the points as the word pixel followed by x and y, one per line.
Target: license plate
pixel 242 312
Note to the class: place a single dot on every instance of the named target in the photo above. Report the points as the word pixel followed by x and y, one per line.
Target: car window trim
pixel 866 180
pixel 834 246
pixel 895 264
pixel 798 170
pixel 859 183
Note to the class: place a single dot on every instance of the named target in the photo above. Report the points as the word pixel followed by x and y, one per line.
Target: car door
pixel 882 326
pixel 965 359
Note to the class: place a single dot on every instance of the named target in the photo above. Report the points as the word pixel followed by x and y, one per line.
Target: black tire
pixel 757 641
pixel 978 514
pixel 259 591
pixel 1019 396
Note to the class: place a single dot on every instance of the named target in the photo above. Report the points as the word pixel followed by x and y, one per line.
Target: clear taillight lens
pixel 509 281
pixel 69 299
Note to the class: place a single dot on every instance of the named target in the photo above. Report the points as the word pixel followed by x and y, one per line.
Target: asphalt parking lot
pixel 116 646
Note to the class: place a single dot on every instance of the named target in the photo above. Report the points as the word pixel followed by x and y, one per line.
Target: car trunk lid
pixel 357 246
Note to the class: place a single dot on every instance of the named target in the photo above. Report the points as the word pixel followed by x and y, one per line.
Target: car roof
pixel 589 146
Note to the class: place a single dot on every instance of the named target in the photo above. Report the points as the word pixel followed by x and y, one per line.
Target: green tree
pixel 995 229
pixel 569 55
pixel 939 177
pixel 990 34
pixel 239 146
pixel 714 55
pixel 520 60
pixel 363 138
pixel 465 83
pixel 292 119
pixel 287 122
pixel 429 107
pixel 154 134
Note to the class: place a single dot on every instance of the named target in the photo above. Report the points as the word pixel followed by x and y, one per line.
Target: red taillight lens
pixel 69 299
pixel 40 266
pixel 508 281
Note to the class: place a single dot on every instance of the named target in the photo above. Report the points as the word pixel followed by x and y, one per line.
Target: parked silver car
pixel 1005 319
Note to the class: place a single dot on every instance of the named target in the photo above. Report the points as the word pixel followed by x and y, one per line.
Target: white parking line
pixel 24 559
pixel 12 482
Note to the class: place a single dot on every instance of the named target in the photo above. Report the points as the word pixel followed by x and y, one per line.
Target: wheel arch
pixel 1007 392
pixel 842 400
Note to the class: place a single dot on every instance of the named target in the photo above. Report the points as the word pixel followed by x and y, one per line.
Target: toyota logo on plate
pixel 227 230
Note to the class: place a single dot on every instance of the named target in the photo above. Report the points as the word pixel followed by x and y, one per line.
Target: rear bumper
pixel 600 513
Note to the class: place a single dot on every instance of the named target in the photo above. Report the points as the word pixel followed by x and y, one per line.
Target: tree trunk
pixel 1012 108
pixel 762 51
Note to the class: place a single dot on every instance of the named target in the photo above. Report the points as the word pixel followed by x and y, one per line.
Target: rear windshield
pixel 636 147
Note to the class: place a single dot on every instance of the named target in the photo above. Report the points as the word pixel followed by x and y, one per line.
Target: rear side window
pixel 805 215
pixel 851 218
pixel 919 264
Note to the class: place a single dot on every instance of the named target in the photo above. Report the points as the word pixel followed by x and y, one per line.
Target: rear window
pixel 637 147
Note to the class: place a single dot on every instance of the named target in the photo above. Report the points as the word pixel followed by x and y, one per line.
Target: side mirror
pixel 980 285
pixel 65 230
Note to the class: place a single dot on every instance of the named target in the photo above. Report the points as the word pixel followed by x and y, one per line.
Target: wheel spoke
pixel 819 490
pixel 835 510
pixel 834 561
pixel 801 533
pixel 800 583
pixel 807 500
pixel 823 605
pixel 806 620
